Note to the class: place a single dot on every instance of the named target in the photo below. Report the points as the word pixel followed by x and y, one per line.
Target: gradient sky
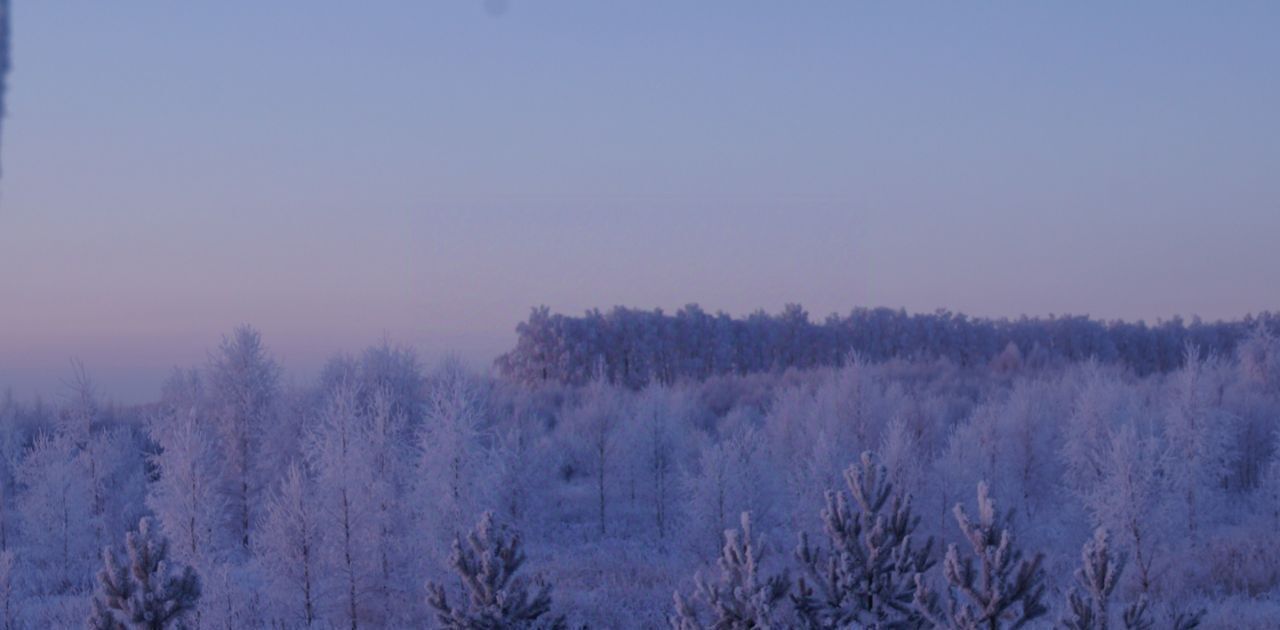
pixel 335 171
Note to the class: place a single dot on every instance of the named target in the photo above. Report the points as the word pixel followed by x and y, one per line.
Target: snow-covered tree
pixel 8 591
pixel 1198 437
pixel 596 423
pixel 288 550
pixel 742 598
pixel 1259 358
pixel 903 453
pixel 391 519
pixel 487 563
pixel 866 575
pixel 244 388
pixel 76 422
pixel 657 437
pixel 12 445
pixel 1101 405
pixel 149 591
pixel 456 468
pixel 1089 601
pixel 345 475
pixel 733 475
pixel 57 523
pixel 184 495
pixel 1129 495
pixel 1003 591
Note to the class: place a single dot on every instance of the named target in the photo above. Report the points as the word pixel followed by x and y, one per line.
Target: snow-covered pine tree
pixel 496 597
pixel 150 592
pixel 742 598
pixel 1097 577
pixel 288 549
pixel 1137 616
pixel 1088 606
pixel 866 576
pixel 1005 591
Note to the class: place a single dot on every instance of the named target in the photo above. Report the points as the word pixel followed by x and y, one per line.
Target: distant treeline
pixel 636 347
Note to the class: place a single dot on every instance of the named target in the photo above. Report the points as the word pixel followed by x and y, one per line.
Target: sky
pixel 335 172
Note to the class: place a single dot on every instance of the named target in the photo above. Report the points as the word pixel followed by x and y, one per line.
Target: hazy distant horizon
pixel 302 359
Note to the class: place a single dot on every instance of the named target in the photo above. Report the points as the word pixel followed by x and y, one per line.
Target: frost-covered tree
pixel 1089 601
pixel 742 598
pixel 733 475
pixel 866 575
pixel 456 468
pixel 8 591
pixel 390 518
pixel 1004 590
pixel 147 592
pixel 345 474
pixel 1259 357
pixel 487 563
pixel 904 454
pixel 1100 405
pixel 289 550
pixel 1138 616
pixel 57 523
pixel 1128 498
pixel 596 423
pixel 184 495
pixel 244 388
pixel 657 435
pixel 12 445
pixel 76 422
pixel 1198 437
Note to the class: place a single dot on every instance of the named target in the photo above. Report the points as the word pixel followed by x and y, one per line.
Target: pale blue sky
pixel 335 171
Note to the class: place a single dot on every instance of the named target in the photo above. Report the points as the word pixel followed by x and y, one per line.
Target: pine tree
pixel 866 577
pixel 150 592
pixel 1098 576
pixel 1137 616
pixel 742 599
pixel 1006 589
pixel 496 598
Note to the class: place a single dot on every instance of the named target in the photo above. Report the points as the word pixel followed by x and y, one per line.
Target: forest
pixel 642 470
